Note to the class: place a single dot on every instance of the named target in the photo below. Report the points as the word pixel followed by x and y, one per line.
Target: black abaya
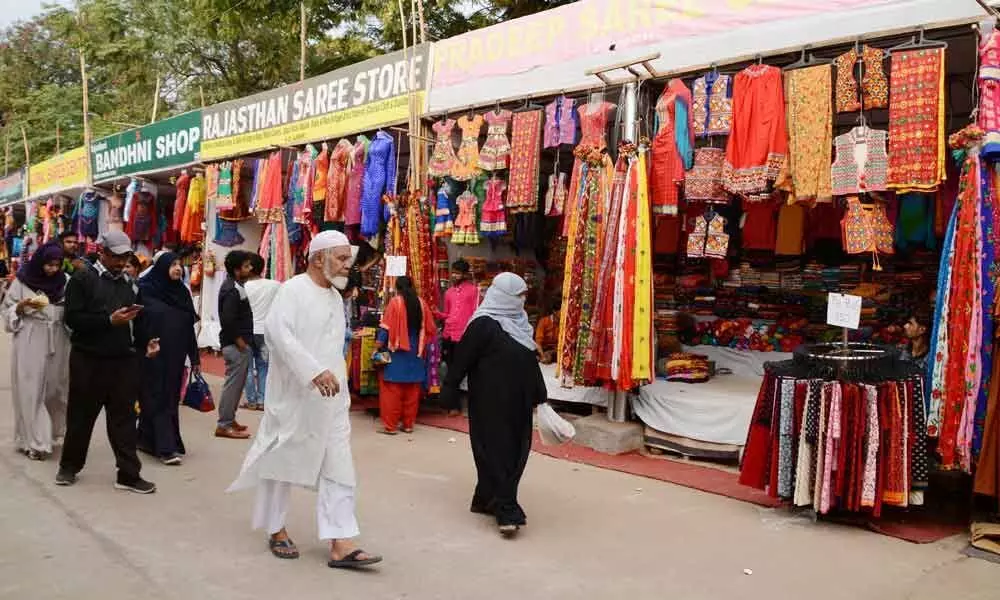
pixel 505 384
pixel 163 377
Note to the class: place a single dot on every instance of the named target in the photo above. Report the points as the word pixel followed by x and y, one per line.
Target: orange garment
pixel 668 152
pixel 336 182
pixel 866 228
pixel 194 211
pixel 791 230
pixel 395 323
pixel 758 145
pixel 322 165
pixel 398 402
pixel 547 334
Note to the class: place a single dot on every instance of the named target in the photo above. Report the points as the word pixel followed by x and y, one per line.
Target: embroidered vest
pixel 709 238
pixel 874 84
pixel 712 109
pixel 857 170
pixel 867 229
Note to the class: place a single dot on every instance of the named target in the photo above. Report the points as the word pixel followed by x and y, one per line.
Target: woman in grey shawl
pixel 497 354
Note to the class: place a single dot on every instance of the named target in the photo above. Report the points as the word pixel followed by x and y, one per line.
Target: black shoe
pixel 65 478
pixel 139 486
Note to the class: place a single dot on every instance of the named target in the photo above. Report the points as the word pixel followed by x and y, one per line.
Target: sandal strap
pixel 353 555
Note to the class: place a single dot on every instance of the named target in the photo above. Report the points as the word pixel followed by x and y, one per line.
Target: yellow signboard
pixel 59 173
pixel 331 125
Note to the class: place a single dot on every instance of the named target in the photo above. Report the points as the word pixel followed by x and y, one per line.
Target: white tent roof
pixel 875 18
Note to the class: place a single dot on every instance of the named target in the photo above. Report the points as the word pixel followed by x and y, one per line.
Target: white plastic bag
pixel 552 428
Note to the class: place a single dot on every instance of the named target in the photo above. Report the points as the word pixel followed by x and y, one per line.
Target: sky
pixel 13 10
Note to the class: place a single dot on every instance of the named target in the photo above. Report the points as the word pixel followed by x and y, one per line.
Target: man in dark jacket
pixel 236 339
pixel 101 310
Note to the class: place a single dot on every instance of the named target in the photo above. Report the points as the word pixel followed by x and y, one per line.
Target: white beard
pixel 340 282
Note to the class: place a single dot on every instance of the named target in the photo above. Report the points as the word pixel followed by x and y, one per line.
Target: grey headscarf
pixel 503 303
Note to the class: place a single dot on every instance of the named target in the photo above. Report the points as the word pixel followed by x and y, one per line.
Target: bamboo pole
pixel 86 105
pixel 156 99
pixel 302 41
pixel 27 155
pixel 6 151
pixel 58 138
pixel 201 91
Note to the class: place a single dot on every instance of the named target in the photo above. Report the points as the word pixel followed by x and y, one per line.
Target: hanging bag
pixel 552 428
pixel 198 395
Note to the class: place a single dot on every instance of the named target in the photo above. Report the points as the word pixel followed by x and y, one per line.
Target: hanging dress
pixel 355 182
pixel 672 150
pixel 495 154
pixel 443 225
pixel 443 158
pixel 522 192
pixel 379 180
pixel 758 146
pixel 336 182
pixel 465 225
pixel 466 164
pixel 493 223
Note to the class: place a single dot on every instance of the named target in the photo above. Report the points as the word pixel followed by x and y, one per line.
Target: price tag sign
pixel 843 310
pixel 395 266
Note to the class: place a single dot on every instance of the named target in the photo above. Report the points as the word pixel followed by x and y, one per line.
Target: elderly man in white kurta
pixel 304 438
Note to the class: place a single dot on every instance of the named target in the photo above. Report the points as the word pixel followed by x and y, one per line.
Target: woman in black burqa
pixel 497 353
pixel 169 315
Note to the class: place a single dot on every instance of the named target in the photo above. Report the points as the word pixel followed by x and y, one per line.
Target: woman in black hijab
pixel 169 315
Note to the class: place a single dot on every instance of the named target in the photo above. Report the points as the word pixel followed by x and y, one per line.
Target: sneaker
pixel 139 486
pixel 172 461
pixel 65 478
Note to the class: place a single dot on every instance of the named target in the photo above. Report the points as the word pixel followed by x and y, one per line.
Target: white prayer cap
pixel 325 240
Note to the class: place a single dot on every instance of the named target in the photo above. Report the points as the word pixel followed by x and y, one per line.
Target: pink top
pixel 460 302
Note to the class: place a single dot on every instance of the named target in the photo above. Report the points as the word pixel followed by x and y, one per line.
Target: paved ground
pixel 592 534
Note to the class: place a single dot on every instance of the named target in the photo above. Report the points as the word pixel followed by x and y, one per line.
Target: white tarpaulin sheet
pixel 551 51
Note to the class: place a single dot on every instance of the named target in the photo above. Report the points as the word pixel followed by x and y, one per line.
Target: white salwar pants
pixel 334 508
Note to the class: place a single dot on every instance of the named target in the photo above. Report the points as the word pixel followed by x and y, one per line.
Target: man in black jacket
pixel 101 311
pixel 236 339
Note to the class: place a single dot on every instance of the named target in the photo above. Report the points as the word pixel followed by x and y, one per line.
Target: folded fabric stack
pixel 684 367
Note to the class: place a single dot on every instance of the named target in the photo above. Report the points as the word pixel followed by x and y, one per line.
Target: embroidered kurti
pixel 810 131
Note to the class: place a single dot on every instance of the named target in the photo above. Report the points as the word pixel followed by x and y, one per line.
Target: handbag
pixel 198 395
pixel 381 358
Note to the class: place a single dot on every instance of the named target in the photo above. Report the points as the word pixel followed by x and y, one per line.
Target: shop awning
pixel 552 51
pixel 361 97
pixel 62 173
pixel 162 146
pixel 12 188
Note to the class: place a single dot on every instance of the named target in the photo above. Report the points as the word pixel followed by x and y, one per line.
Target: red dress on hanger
pixel 666 173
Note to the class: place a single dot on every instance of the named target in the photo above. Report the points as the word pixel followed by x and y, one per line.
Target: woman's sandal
pixel 509 531
pixel 351 561
pixel 283 548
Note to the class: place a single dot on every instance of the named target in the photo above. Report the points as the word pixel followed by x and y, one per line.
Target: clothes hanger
pixel 917 42
pixel 807 61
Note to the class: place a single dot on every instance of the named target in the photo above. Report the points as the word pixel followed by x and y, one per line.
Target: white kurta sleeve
pixel 282 341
